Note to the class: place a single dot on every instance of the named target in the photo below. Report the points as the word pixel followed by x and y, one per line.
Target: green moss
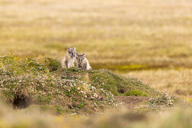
pixel 80 105
pixel 119 85
pixel 121 67
pixel 116 84
pixel 52 64
pixel 33 65
pixel 20 66
pixel 135 93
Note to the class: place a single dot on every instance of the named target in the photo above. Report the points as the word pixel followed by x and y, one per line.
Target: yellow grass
pixel 175 82
pixel 141 33
pixel 151 32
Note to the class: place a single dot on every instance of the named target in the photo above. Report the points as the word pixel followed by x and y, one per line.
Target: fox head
pixel 71 52
pixel 80 58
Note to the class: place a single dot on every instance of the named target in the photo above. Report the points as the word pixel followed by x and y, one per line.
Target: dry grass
pixel 125 31
pixel 175 82
pixel 140 33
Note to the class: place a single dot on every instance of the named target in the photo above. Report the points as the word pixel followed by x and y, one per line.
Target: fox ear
pixel 74 49
pixel 84 55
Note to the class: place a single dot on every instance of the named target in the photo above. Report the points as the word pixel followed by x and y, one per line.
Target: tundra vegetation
pixel 26 81
pixel 140 49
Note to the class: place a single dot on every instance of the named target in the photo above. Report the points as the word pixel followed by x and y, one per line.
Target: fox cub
pixel 82 62
pixel 69 59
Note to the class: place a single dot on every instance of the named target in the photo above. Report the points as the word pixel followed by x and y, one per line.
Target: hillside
pixel 25 81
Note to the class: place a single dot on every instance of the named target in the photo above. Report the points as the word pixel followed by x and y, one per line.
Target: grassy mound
pixel 25 81
pixel 119 85
pixel 116 84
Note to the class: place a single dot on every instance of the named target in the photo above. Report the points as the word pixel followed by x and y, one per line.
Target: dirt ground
pixel 131 101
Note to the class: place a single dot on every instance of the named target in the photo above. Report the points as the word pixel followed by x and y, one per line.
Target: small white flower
pixel 95 95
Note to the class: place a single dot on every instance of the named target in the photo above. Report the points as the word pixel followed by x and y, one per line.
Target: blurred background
pixel 144 33
pixel 147 39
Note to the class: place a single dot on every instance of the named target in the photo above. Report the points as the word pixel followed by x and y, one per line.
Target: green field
pixel 150 40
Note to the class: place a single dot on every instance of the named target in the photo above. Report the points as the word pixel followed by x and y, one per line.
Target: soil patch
pixel 131 101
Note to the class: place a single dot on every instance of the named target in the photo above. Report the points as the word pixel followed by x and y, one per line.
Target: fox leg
pixel 85 66
pixel 66 64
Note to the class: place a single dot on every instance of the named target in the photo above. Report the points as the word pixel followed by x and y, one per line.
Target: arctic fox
pixel 69 59
pixel 82 62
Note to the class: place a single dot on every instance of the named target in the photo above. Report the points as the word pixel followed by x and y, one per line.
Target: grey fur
pixel 82 62
pixel 69 59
